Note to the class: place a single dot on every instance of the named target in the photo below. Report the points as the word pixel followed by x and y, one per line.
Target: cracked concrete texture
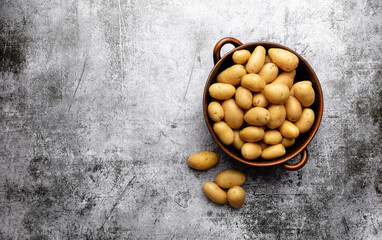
pixel 101 104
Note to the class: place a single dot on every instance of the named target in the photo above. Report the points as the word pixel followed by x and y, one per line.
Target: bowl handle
pixel 300 164
pixel 221 43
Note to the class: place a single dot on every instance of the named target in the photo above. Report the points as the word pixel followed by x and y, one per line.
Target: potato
pixel 289 130
pixel 262 144
pixel 273 151
pixel 304 92
pixel 251 134
pixel 272 137
pixel 259 100
pixel 276 93
pixel 236 196
pixel 214 193
pixel 293 109
pixel 306 121
pixel 243 97
pixel 224 132
pixel 277 115
pixel 232 75
pixel 233 114
pixel 221 91
pixel 257 116
pixel 284 59
pixel 287 142
pixel 269 72
pixel 256 60
pixel 237 141
pixel 267 59
pixel 241 56
pixel 291 92
pixel 230 178
pixel 253 82
pixel 203 160
pixel 251 151
pixel 215 111
pixel 286 77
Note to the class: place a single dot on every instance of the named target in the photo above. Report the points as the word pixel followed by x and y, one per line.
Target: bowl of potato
pixel 262 103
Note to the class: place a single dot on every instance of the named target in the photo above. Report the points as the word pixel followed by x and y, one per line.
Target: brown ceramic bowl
pixel 303 72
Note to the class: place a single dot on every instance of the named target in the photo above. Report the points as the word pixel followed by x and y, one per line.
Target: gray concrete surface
pixel 100 105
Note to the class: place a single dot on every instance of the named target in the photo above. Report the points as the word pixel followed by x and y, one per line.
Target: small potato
pixel 243 97
pixel 203 160
pixel 259 100
pixel 267 59
pixel 252 134
pixel 237 141
pixel 293 109
pixel 257 116
pixel 289 130
pixel 221 91
pixel 287 142
pixel 232 75
pixel 224 132
pixel 233 114
pixel 272 137
pixel 284 59
pixel 236 196
pixel 269 72
pixel 286 77
pixel 241 56
pixel 304 92
pixel 230 178
pixel 263 145
pixel 276 93
pixel 277 115
pixel 306 121
pixel 253 82
pixel 214 193
pixel 256 60
pixel 273 151
pixel 215 111
pixel 251 151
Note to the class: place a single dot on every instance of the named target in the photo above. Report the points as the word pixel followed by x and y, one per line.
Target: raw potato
pixel 277 115
pixel 257 116
pixel 263 145
pixel 253 82
pixel 230 178
pixel 203 160
pixel 243 97
pixel 214 193
pixel 221 91
pixel 251 151
pixel 289 130
pixel 304 92
pixel 272 137
pixel 293 109
pixel 232 75
pixel 224 132
pixel 284 59
pixel 276 93
pixel 259 100
pixel 233 114
pixel 236 196
pixel 273 151
pixel 267 59
pixel 269 72
pixel 251 134
pixel 306 121
pixel 215 111
pixel 241 56
pixel 287 142
pixel 286 77
pixel 256 60
pixel 237 141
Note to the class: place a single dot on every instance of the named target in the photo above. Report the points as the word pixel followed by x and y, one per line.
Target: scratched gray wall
pixel 100 106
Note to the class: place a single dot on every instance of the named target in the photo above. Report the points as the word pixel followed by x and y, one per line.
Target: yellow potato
pixel 284 59
pixel 253 82
pixel 241 56
pixel 232 75
pixel 230 178
pixel 259 100
pixel 304 92
pixel 276 93
pixel 251 151
pixel 269 72
pixel 263 145
pixel 224 132
pixel 236 196
pixel 291 92
pixel 237 141
pixel 267 59
pixel 243 97
pixel 256 60
pixel 215 111
pixel 221 91
pixel 233 114
pixel 252 134
pixel 293 109
pixel 203 160
pixel 289 130
pixel 306 121
pixel 273 151
pixel 287 142
pixel 272 137
pixel 257 116
pixel 286 77
pixel 214 193
pixel 277 115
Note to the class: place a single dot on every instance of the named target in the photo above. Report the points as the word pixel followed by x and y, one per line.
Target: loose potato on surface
pixel 224 132
pixel 257 116
pixel 203 160
pixel 252 134
pixel 306 121
pixel 269 72
pixel 233 114
pixel 236 196
pixel 241 56
pixel 243 97
pixel 221 91
pixel 251 151
pixel 256 60
pixel 284 59
pixel 259 100
pixel 276 93
pixel 215 193
pixel 232 75
pixel 230 178
pixel 304 92
pixel 253 82
pixel 273 151
pixel 215 111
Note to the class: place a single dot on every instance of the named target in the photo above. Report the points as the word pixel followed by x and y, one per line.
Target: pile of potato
pixel 263 110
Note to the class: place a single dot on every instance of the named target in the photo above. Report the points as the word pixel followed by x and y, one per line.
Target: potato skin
pixel 276 93
pixel 224 132
pixel 251 151
pixel 259 100
pixel 284 59
pixel 272 137
pixel 253 82
pixel 306 121
pixel 273 151
pixel 203 160
pixel 277 115
pixel 304 92
pixel 269 72
pixel 215 111
pixel 221 91
pixel 286 77
pixel 256 60
pixel 236 196
pixel 230 178
pixel 287 142
pixel 262 144
pixel 243 97
pixel 232 75
pixel 289 130
pixel 233 114
pixel 293 109
pixel 252 134
pixel 241 56
pixel 257 116
pixel 214 193
pixel 237 141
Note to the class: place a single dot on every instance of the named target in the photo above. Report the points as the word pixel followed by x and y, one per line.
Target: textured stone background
pixel 101 104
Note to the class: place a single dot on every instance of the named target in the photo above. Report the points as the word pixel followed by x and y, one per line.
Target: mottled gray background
pixel 101 104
